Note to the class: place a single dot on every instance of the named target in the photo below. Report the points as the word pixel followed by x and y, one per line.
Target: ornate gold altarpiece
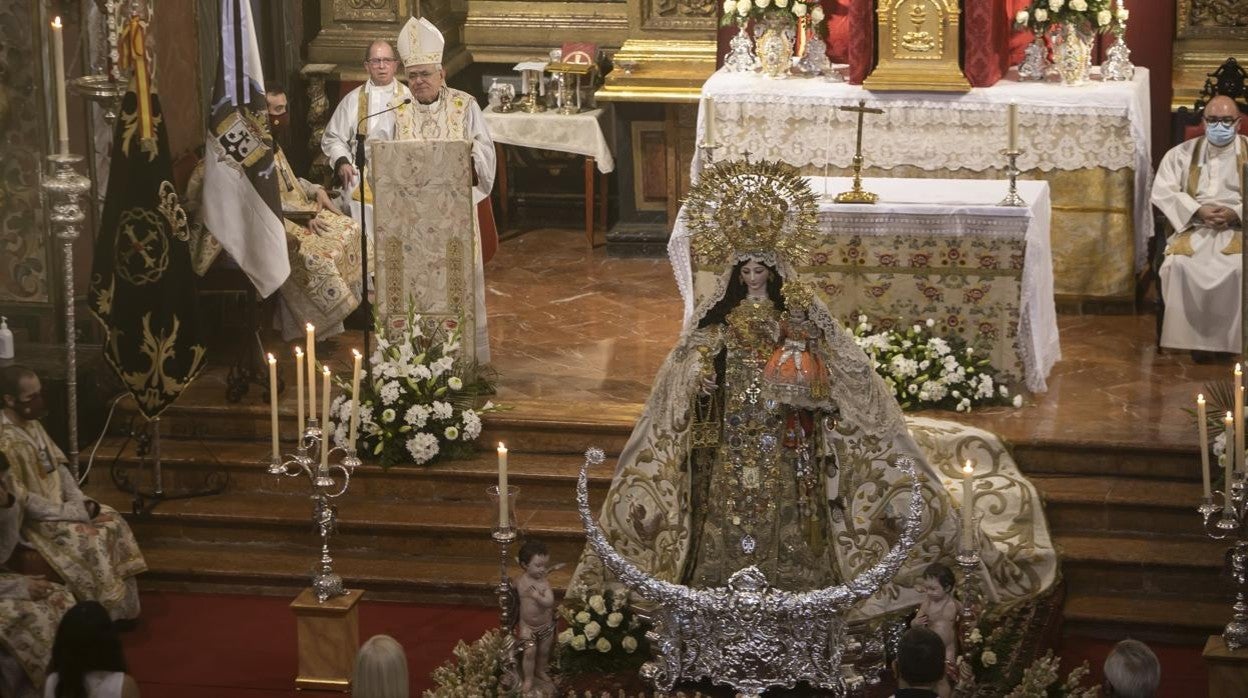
pixel 919 46
pixel 1206 33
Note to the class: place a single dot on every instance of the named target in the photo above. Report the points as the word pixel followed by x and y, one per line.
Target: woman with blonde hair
pixel 380 669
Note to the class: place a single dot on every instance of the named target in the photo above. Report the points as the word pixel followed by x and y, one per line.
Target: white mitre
pixel 420 43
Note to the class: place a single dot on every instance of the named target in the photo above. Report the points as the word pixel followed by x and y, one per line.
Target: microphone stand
pixel 360 164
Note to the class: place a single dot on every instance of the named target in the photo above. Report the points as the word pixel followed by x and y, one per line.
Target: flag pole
pixel 361 163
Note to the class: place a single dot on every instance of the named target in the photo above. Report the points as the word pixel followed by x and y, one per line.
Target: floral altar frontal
pixel 931 249
pixel 1091 144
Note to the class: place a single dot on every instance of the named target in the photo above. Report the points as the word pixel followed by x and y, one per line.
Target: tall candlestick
pixel 968 505
pixel 1239 419
pixel 311 370
pixel 1228 462
pixel 325 421
pixel 355 399
pixel 299 393
pixel 58 61
pixel 273 405
pixel 709 135
pixel 1203 427
pixel 1011 117
pixel 503 521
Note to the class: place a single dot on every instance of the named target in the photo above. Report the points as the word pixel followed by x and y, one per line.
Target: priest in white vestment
pixel 377 94
pixel 441 113
pixel 1199 188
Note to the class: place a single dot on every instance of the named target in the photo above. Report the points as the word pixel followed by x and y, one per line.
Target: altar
pixel 937 249
pixel 1090 143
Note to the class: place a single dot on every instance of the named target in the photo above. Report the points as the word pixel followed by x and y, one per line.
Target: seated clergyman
pixel 1199 188
pixel 88 544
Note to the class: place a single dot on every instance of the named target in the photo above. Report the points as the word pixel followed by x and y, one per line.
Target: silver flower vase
pixel 1035 65
pixel 1117 65
pixel 741 58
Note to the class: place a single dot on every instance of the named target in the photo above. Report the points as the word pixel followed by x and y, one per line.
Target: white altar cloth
pixel 1101 124
pixel 933 208
pixel 580 134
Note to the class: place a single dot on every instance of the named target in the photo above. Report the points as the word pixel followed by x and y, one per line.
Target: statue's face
pixel 755 276
pixel 931 589
pixel 538 567
pixel 425 81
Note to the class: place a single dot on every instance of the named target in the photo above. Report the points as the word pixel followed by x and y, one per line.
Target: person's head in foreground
pixel 1132 671
pixel 920 659
pixel 380 669
pixel 86 641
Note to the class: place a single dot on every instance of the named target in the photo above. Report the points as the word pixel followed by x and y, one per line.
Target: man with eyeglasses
pixel 441 113
pixel 1199 188
pixel 378 93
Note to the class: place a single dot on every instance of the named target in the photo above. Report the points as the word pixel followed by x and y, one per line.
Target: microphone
pixel 406 101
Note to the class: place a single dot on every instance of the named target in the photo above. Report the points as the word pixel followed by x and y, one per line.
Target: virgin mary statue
pixel 769 439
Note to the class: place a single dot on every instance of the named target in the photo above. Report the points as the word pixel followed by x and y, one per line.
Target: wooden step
pixel 548 479
pixel 1108 458
pixel 1136 567
pixel 1106 504
pixel 283 569
pixel 1114 617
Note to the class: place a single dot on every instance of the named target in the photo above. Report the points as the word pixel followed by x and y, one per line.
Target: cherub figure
pixel 537 617
pixel 795 375
pixel 939 611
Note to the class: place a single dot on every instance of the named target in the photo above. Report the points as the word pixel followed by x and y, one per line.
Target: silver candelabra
pixel 307 461
pixel 64 190
pixel 508 607
pixel 1011 170
pixel 1231 522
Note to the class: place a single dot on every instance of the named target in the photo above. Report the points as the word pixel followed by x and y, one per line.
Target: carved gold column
pixel 1207 32
pixel 349 26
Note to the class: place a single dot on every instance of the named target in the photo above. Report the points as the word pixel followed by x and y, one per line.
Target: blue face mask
pixel 1220 134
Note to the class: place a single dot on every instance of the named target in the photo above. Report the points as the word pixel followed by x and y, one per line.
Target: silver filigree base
pixel 1011 197
pixel 509 680
pixel 1035 65
pixel 741 58
pixel 814 60
pixel 1117 65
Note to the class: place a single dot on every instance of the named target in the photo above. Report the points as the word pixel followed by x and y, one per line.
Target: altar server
pixel 1199 188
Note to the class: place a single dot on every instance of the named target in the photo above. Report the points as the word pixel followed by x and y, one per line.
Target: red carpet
pixel 214 645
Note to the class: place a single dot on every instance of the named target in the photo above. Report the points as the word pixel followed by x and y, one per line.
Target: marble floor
pixel 574 332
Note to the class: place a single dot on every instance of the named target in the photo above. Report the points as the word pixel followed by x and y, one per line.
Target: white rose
pixel 1018 400
pixel 629 644
pixel 1123 13
pixel 1079 5
pixel 1042 15
pixel 930 322
pixel 614 620
pixel 603 645
pixel 1056 5
pixel 1103 18
pixel 451 433
pixel 799 9
pixel 988 658
pixel 729 6
pixel 743 7
pixel 976 636
pixel 598 603
pixel 578 642
pixel 455 383
pixel 1021 17
pixel 762 4
pixel 817 14
pixel 566 636
pixel 782 3
pixel 582 617
pixel 592 629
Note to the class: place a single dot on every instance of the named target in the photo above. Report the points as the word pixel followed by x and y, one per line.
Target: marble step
pixel 276 569
pixel 1143 566
pixel 1103 504
pixel 444 529
pixel 1108 458
pixel 1164 619
pixel 546 478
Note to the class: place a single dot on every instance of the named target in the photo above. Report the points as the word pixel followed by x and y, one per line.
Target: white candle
pixel 58 60
pixel 299 392
pixel 325 420
pixel 355 399
pixel 1011 117
pixel 503 521
pixel 311 371
pixel 1228 423
pixel 708 107
pixel 273 405
pixel 1203 426
pixel 524 82
pixel 968 504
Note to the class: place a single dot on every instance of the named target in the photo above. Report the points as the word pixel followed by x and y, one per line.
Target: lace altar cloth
pixel 1101 124
pixel 581 134
pixel 931 248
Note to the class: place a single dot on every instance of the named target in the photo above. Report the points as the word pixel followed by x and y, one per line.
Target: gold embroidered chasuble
pixel 97 559
pixel 27 626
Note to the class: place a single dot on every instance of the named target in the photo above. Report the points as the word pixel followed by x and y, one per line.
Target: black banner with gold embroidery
pixel 141 280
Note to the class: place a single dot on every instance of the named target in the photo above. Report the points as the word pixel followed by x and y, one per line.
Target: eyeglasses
pixel 381 61
pixel 421 74
pixel 1228 120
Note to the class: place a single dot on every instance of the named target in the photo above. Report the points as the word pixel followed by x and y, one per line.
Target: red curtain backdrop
pixel 986 40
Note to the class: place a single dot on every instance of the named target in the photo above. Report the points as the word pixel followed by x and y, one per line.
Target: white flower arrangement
pixel 741 11
pixel 419 400
pixel 603 635
pixel 1093 14
pixel 926 371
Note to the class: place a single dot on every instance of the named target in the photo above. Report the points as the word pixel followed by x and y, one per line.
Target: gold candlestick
pixel 858 195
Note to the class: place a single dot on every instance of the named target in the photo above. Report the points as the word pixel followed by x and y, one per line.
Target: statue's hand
pixel 709 386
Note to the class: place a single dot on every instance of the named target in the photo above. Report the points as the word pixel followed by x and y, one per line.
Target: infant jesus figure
pixel 795 375
pixel 537 617
pixel 939 611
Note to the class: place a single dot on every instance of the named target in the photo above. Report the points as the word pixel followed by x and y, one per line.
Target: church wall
pixel 175 31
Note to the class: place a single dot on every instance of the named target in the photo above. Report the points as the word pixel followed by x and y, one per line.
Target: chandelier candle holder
pixel 1224 513
pixel 1011 152
pixel 1117 65
pixel 504 535
pixel 968 558
pixel 317 460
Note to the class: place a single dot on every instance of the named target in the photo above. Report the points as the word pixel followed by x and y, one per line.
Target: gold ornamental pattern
pixel 366 10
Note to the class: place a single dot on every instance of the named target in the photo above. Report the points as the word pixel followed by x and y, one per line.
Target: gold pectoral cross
pixel 858 195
